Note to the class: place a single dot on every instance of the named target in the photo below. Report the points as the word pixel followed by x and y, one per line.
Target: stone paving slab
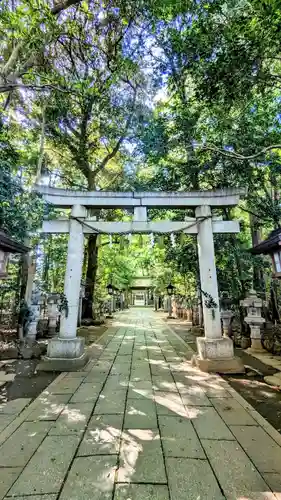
pixel 194 395
pixel 141 492
pixel 274 482
pixel 141 458
pixel 7 477
pixel 140 414
pixel 169 403
pixel 262 450
pixel 95 377
pixel 192 479
pixel 36 497
pixel 232 412
pixel 5 420
pixel 87 392
pixel 179 438
pixel 14 407
pixel 67 386
pixel 103 436
pixel 72 420
pixel 47 468
pixel 90 478
pixel 235 472
pixel 139 392
pixel 111 403
pixel 19 448
pixel 49 407
pixel 122 369
pixel 160 369
pixel 164 383
pixel 208 424
pixel 116 382
pixel 78 374
pixel 141 373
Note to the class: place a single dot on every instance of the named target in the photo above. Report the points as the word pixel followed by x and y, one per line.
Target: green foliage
pixel 89 118
pixel 20 210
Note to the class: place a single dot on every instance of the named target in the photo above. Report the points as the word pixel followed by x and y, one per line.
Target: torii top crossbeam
pixel 64 198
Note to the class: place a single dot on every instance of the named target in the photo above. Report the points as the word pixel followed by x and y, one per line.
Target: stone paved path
pixel 139 423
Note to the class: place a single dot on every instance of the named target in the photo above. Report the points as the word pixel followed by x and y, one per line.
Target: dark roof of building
pixel 273 242
pixel 7 244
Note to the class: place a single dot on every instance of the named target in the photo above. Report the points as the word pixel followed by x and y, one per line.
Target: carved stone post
pixel 226 313
pixel 35 307
pixel 226 318
pixel 53 299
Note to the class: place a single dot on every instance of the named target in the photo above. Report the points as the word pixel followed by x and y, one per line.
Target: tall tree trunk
pixel 258 279
pixel 41 145
pixel 92 266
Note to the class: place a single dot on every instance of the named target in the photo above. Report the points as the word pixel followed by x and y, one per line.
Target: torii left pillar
pixel 66 352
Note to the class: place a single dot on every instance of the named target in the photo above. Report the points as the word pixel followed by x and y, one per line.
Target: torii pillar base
pixel 64 355
pixel 217 356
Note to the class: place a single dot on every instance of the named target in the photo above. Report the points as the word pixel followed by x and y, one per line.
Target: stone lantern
pixel 226 313
pixel 170 290
pixel 35 308
pixel 254 319
pixel 110 290
pixel 52 302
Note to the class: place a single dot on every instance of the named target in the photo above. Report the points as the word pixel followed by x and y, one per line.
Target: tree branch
pixel 64 4
pixel 120 141
pixel 5 73
pixel 12 60
pixel 238 156
pixel 13 86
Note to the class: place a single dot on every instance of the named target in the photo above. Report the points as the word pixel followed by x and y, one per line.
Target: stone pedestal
pixel 64 355
pixel 66 352
pixel 256 345
pixel 217 355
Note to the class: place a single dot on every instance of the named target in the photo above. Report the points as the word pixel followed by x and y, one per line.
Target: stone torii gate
pixel 215 352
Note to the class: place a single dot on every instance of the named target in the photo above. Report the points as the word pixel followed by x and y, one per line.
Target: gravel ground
pixel 29 384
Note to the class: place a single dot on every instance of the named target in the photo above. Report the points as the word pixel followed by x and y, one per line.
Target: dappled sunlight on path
pixel 140 423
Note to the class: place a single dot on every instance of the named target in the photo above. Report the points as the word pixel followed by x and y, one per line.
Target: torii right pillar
pixel 215 352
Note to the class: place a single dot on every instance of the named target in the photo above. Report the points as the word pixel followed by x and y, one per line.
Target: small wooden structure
pixel 8 246
pixel 271 246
